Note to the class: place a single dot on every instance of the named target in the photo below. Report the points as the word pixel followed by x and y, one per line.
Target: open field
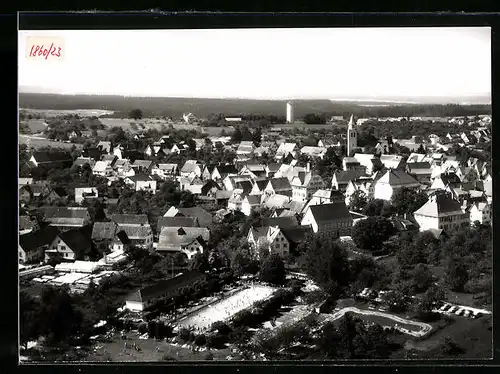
pixel 36 125
pixel 61 112
pixel 474 336
pixel 38 142
pixel 226 308
pixel 150 350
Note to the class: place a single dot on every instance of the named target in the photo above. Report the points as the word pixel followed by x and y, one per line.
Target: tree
pixel 29 319
pixel 257 136
pixel 372 232
pixel 200 262
pixel 375 207
pixel 358 201
pixel 422 278
pixel 325 261
pixel 273 270
pixel 456 275
pixel 408 200
pixel 135 114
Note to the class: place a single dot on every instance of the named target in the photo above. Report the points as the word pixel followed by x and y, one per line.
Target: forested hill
pixel 175 107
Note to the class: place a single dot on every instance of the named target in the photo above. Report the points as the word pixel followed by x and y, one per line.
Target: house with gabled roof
pixel 305 184
pixel 145 297
pixel 259 186
pixel 141 182
pixel 441 211
pixel 102 169
pixel 137 228
pixel 108 237
pixel 286 149
pixel 32 245
pixel 268 238
pixel 391 181
pixel 245 148
pixel 280 186
pixel 313 151
pixel 351 163
pixel 254 171
pixel 71 245
pixel 191 167
pixel 333 218
pixel 204 218
pixel 66 217
pixel 364 185
pixel 82 193
pixel 51 159
pixel 231 181
pixel 142 166
pixel 176 222
pixel 271 169
pixel 481 212
pixel 105 146
pixel 165 171
pixel 369 161
pixel 249 203
pixel 393 161
pixel 81 161
pixel 188 240
pixel 340 179
pixel 421 171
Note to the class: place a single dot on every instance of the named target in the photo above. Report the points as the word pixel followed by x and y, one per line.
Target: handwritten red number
pixel 37 50
pixel 40 52
pixel 58 52
pixel 31 51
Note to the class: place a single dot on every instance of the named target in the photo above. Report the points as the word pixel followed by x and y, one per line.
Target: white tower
pixel 289 113
pixel 352 137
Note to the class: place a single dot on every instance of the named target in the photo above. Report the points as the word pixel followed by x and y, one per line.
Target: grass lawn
pixel 39 143
pixel 151 350
pixel 472 335
pixel 36 125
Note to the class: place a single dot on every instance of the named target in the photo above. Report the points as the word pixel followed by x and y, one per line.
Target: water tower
pixel 289 113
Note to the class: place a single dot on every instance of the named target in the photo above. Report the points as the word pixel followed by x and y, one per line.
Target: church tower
pixel 352 137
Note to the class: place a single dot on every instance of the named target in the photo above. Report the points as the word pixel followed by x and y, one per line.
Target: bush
pixel 200 340
pixel 209 356
pixel 221 327
pixel 184 334
pixel 216 341
pixel 143 328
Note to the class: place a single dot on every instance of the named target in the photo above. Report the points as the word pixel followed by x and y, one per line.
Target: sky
pixel 316 63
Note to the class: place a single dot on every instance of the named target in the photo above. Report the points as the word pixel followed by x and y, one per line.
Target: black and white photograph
pixel 255 194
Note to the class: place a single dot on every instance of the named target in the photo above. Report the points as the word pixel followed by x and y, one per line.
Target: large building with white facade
pixel 441 212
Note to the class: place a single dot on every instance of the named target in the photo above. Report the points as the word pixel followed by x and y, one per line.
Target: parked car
pixel 371 307
pixel 444 307
pixel 452 309
pixel 459 311
pixel 467 313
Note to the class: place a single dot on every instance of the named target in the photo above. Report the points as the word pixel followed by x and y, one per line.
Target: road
pixel 424 327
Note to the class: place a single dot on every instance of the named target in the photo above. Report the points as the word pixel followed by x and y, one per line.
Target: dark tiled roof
pixel 177 221
pixel 76 240
pixel 166 286
pixel 346 176
pixel 414 166
pixel 330 212
pixel 261 184
pixel 64 212
pixel 227 169
pixel 122 237
pixel 204 217
pixel 281 222
pixel 296 234
pixel 50 157
pixel 246 186
pixel 280 184
pixel 36 239
pixel 130 219
pixel 104 230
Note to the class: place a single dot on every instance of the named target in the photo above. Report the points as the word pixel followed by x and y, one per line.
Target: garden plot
pixel 226 308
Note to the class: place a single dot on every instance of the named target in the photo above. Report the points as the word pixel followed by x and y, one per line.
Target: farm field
pixel 62 112
pixel 36 125
pixel 38 142
pixel 226 308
